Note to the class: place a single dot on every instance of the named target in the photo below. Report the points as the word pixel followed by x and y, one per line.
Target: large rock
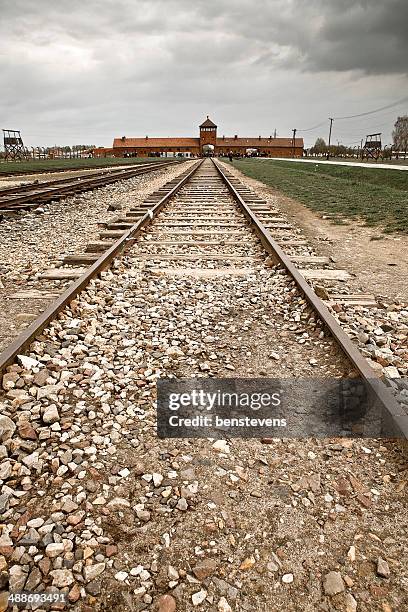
pixel 333 583
pixel 31 460
pixel 4 601
pixel 27 431
pixel 5 470
pixel 29 363
pixel 34 579
pixel 30 538
pixel 62 578
pixel 93 588
pixel 54 549
pixel 51 415
pixel 17 578
pixel 9 380
pixel 93 571
pixel 74 594
pixel 383 569
pixel 166 603
pixel 225 588
pixel 199 597
pixel 174 351
pixel 7 428
pixel 223 605
pixel 5 539
pixel 4 502
pixel 204 568
pixel 350 603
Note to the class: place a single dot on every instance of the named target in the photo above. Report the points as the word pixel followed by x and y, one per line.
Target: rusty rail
pixel 57 170
pixel 395 419
pixel 27 196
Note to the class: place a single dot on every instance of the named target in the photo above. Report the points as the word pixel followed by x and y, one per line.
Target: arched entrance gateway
pixel 208 150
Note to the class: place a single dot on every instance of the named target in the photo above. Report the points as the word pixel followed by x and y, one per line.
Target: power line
pixel 314 127
pixel 377 110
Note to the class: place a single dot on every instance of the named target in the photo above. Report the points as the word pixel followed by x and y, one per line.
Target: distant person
pixel 230 156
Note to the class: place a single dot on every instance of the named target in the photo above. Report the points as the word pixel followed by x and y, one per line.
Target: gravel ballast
pixel 31 242
pixel 96 506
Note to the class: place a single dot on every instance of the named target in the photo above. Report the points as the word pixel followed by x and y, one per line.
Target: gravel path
pixel 341 163
pixel 96 507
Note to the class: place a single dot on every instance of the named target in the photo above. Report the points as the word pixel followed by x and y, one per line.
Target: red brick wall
pixel 208 136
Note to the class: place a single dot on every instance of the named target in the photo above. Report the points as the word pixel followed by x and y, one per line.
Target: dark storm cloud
pixel 320 35
pixel 367 35
pixel 104 67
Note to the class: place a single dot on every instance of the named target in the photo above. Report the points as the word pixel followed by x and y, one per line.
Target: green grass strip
pixel 375 196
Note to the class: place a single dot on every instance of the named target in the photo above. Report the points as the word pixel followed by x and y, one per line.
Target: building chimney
pixel 147 137
pixel 123 138
pixel 236 136
pixel 259 137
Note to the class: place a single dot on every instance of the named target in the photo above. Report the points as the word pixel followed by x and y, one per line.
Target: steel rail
pixel 395 419
pixel 55 170
pixel 112 171
pixel 52 190
pixel 28 335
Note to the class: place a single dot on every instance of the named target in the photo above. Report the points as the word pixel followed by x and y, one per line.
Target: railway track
pixel 53 170
pixel 202 280
pixel 209 230
pixel 30 196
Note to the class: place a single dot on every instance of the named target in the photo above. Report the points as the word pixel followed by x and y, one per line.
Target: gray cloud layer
pixel 74 71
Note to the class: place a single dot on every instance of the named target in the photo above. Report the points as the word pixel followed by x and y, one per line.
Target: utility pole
pixel 330 133
pixel 274 134
pixel 293 142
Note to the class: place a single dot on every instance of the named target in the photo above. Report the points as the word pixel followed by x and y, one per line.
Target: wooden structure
pixel 373 147
pixel 13 146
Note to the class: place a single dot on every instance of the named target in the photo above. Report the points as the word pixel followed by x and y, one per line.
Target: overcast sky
pixel 75 71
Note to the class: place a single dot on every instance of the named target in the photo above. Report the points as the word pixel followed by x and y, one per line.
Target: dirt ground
pixel 378 261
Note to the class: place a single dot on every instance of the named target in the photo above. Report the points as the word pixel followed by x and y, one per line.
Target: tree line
pixel 67 148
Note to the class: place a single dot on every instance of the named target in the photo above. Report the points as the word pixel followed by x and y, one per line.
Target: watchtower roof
pixel 208 123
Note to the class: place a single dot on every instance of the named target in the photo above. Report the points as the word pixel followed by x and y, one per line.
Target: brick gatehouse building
pixel 207 144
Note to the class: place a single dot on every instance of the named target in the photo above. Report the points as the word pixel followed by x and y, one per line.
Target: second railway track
pixel 32 195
